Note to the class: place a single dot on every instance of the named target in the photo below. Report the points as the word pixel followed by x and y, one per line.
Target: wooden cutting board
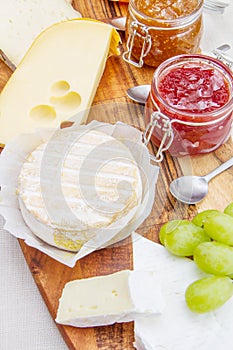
pixel 51 276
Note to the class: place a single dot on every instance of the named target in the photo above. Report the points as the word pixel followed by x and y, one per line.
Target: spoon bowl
pixel 189 189
pixel 192 189
pixel 139 93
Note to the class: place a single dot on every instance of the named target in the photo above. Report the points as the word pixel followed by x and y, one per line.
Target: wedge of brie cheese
pixel 57 78
pixel 78 185
pixel 178 327
pixel 104 300
pixel 23 20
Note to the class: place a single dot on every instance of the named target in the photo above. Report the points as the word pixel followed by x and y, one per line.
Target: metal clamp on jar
pixel 189 108
pixel 156 32
pixel 141 31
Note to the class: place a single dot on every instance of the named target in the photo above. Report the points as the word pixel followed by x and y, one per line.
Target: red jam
pixel 194 89
pixel 197 91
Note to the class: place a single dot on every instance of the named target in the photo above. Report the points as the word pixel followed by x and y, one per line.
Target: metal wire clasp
pixel 142 32
pixel 162 122
pixel 220 54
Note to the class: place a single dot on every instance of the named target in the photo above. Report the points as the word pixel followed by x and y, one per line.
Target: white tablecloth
pixel 25 323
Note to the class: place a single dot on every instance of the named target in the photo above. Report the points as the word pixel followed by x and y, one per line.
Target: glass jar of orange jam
pixel 189 108
pixel 159 29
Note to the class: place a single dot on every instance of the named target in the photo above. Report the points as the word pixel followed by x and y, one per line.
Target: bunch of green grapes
pixel 208 239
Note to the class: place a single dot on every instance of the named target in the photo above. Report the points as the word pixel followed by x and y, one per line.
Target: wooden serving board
pixel 51 276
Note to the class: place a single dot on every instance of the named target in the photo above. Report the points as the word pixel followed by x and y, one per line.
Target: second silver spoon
pixel 192 189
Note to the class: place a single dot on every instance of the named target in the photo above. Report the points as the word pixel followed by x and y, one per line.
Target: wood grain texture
pixel 5 73
pixel 111 105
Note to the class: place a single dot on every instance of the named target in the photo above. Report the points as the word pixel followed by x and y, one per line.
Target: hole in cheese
pixel 114 292
pixel 43 112
pixel 93 307
pixel 68 102
pixel 60 88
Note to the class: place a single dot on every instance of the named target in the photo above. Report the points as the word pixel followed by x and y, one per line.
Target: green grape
pixel 220 228
pixel 229 209
pixel 214 257
pixel 170 226
pixel 209 293
pixel 183 240
pixel 200 218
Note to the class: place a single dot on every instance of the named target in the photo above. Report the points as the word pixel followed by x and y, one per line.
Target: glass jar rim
pixel 183 59
pixel 177 21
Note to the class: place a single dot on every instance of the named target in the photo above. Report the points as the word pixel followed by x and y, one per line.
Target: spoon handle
pixel 219 169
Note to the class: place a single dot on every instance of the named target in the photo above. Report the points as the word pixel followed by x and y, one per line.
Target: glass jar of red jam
pixel 159 29
pixel 189 108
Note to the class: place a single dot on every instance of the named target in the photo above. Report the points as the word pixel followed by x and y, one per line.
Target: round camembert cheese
pixel 77 185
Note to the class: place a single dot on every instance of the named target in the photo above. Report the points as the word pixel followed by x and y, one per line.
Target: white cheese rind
pixel 70 188
pixel 177 327
pixel 104 300
pixel 57 78
pixel 23 20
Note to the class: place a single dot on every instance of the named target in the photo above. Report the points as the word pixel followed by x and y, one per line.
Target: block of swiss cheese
pixel 57 78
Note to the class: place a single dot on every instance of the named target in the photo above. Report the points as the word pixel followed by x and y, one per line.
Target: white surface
pixel 25 324
pixel 218 30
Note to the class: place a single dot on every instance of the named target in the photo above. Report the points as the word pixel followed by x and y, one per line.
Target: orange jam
pixel 159 29
pixel 166 9
pixel 195 93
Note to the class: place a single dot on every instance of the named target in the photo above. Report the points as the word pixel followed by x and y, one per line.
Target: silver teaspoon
pixel 192 189
pixel 118 23
pixel 139 93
